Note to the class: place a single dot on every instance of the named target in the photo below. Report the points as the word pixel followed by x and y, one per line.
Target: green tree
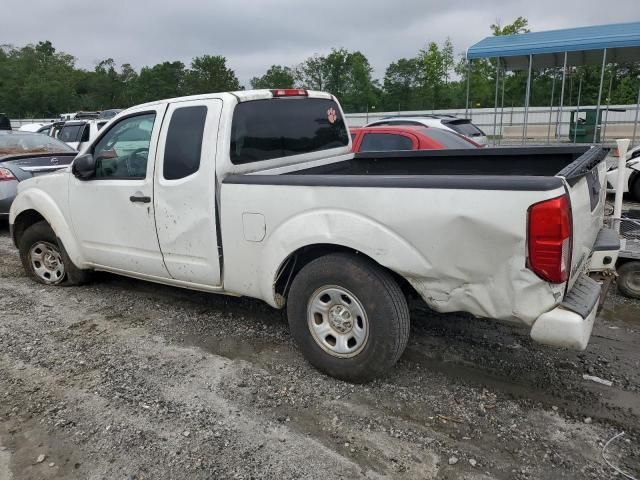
pixel 312 73
pixel 277 76
pixel 164 80
pixel 519 25
pixel 433 75
pixel 210 74
pixel 400 85
pixel 347 75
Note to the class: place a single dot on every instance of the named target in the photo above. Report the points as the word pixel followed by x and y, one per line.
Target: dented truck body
pixel 469 230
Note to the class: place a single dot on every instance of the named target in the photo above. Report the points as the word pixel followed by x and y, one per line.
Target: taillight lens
pixel 6 174
pixel 289 92
pixel 549 232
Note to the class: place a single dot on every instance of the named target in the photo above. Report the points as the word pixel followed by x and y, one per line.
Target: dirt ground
pixel 123 379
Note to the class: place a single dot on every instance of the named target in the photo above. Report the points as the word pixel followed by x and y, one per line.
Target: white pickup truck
pixel 257 193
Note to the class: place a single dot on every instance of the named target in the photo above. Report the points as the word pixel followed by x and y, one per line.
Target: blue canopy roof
pixel 584 45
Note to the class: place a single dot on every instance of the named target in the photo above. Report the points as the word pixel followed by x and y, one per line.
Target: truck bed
pixel 520 161
pixel 502 168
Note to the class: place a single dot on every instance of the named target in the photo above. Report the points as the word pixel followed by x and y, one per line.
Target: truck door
pixel 112 213
pixel 185 191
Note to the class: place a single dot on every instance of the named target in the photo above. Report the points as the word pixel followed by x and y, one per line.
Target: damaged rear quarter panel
pixel 462 250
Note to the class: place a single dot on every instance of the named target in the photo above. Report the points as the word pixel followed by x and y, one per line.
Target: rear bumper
pixel 569 325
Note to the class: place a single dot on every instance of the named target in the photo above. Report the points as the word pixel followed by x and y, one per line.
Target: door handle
pixel 139 199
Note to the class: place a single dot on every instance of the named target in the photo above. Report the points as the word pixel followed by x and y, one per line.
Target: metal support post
pixel 604 62
pixel 553 88
pixel 559 115
pixel 466 110
pixel 495 103
pixel 526 102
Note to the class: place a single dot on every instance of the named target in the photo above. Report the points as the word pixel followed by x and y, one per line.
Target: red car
pixel 406 137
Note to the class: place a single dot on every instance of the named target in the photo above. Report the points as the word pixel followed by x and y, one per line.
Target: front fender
pixel 41 202
pixel 337 227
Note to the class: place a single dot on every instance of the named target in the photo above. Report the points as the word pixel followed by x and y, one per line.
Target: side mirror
pixel 84 166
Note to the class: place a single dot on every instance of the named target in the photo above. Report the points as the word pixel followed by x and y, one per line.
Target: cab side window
pixel 122 153
pixel 183 146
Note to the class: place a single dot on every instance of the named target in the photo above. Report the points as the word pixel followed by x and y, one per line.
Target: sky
pixel 253 35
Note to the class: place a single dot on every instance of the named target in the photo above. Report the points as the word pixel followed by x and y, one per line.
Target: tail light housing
pixel 550 239
pixel 289 92
pixel 5 174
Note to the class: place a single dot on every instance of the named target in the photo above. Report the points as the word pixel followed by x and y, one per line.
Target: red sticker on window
pixel 331 115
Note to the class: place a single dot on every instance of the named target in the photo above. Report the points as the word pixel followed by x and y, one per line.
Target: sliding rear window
pixel 281 127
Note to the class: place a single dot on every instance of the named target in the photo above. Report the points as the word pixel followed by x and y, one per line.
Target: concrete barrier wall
pixel 514 117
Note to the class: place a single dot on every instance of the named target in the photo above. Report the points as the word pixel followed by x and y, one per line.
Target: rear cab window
pixel 282 127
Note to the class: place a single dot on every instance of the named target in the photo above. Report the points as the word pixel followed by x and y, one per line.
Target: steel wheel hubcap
pixel 46 262
pixel 634 281
pixel 337 321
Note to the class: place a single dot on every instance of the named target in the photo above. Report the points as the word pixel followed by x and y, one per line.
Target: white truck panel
pixel 483 235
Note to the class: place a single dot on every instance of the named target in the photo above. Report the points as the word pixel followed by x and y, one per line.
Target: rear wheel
pixel 45 259
pixel 348 316
pixel 629 279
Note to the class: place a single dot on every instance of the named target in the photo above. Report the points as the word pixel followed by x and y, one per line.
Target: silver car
pixel 24 155
pixel 461 126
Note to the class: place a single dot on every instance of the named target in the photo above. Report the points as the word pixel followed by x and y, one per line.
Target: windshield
pixel 20 143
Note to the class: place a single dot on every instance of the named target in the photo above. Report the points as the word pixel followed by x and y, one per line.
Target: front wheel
pixel 45 260
pixel 348 316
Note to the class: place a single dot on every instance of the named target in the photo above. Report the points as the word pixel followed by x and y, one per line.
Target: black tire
pixel 42 232
pixel 381 299
pixel 634 189
pixel 629 279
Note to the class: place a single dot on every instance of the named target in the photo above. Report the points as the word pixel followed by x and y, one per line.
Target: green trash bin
pixel 583 124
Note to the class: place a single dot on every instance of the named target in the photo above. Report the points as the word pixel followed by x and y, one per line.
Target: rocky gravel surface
pixel 122 379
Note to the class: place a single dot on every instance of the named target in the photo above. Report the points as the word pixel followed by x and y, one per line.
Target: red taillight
pixel 549 232
pixel 6 174
pixel 289 92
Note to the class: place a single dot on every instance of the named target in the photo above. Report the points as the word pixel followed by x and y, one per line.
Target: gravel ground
pixel 123 379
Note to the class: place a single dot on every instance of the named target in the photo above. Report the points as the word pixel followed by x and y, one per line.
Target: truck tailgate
pixel 586 185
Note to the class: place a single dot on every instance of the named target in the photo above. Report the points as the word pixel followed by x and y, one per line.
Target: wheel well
pixel 24 221
pixel 301 257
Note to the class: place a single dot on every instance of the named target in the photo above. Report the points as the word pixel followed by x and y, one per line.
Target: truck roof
pixel 240 96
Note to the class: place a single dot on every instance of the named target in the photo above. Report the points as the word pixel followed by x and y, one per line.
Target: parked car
pixel 5 123
pixel 45 129
pixel 462 126
pixel 78 133
pixel 32 127
pixel 81 115
pixel 109 114
pixel 257 193
pixel 409 137
pixel 631 173
pixel 24 155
